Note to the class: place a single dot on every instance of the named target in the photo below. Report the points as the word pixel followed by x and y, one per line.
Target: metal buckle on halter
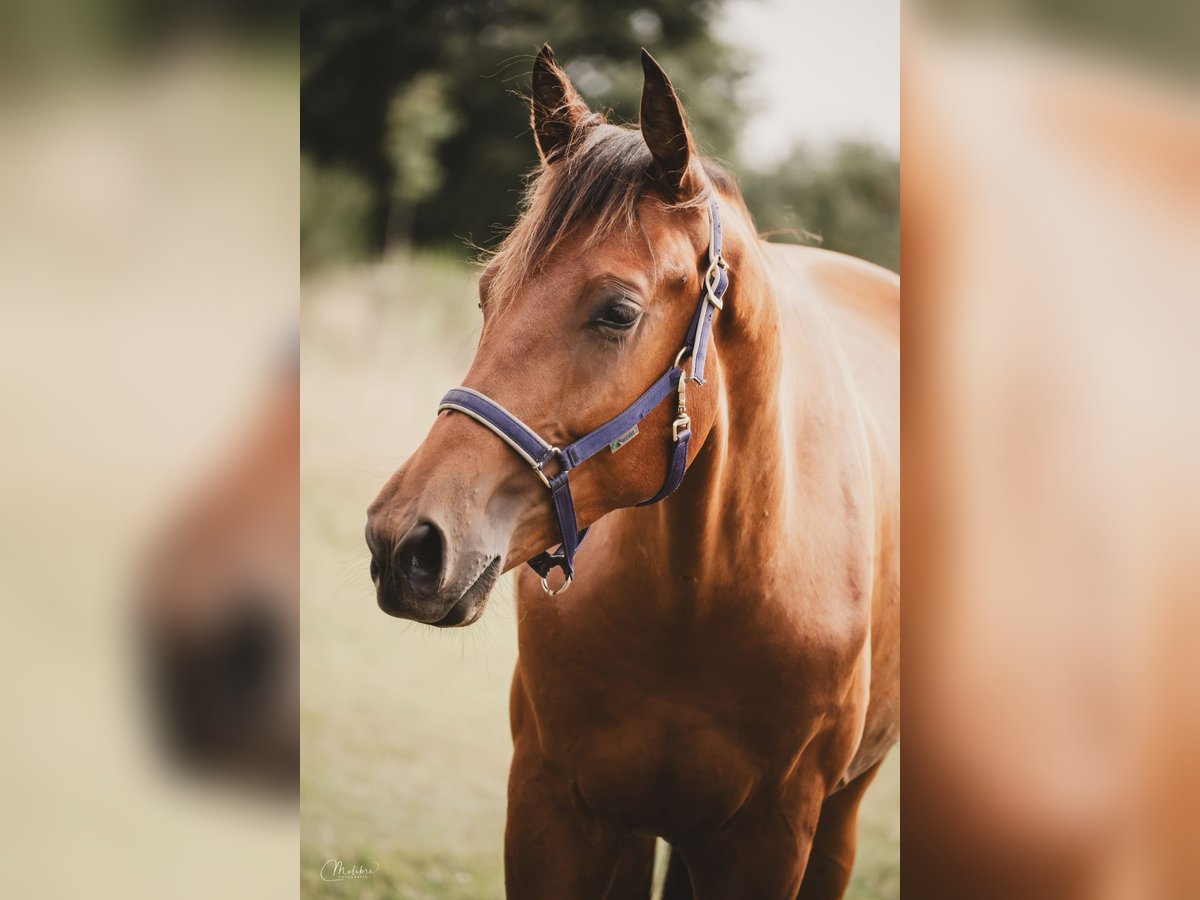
pixel 712 278
pixel 553 453
pixel 554 592
pixel 678 425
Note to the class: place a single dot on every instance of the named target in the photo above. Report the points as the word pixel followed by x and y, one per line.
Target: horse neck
pixel 735 493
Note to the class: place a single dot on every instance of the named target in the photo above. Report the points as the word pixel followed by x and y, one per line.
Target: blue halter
pixel 617 430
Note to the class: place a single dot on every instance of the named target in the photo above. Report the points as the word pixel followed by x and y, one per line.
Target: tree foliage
pixel 419 102
pixel 846 199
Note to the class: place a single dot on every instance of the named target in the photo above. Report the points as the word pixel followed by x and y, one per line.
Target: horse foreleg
pixel 635 871
pixel 678 885
pixel 553 847
pixel 832 857
pixel 761 854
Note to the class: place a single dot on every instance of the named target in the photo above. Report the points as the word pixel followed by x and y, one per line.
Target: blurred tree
pixel 419 119
pixel 447 155
pixel 408 106
pixel 335 206
pixel 848 199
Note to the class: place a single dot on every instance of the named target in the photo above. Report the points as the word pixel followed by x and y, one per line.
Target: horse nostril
pixel 215 691
pixel 379 544
pixel 419 558
pixel 248 652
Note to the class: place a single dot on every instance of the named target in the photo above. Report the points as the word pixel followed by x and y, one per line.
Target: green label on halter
pixel 623 440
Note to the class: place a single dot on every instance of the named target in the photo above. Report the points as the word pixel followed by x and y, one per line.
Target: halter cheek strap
pixel 529 445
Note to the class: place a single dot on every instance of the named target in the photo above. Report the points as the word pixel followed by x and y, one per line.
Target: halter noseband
pixel 616 431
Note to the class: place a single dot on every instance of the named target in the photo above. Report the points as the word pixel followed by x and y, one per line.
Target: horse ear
pixel 558 110
pixel 664 128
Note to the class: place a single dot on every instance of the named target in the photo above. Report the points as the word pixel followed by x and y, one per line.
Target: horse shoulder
pixel 861 303
pixel 864 288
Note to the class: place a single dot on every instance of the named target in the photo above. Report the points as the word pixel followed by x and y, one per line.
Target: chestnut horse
pixel 724 673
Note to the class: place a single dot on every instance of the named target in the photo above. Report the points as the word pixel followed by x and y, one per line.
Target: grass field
pixel 405 732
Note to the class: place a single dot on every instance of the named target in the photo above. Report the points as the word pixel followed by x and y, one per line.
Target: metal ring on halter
pixel 555 592
pixel 554 451
pixel 679 356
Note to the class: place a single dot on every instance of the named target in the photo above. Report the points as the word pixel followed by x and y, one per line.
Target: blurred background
pixel 149 284
pixel 1051 223
pixel 415 139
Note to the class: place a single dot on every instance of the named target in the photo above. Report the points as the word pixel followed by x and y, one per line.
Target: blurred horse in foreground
pixel 219 613
pixel 1051 220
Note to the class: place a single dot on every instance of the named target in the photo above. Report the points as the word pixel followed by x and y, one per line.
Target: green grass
pixel 405 728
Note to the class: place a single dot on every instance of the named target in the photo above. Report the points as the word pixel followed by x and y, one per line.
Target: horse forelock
pixel 606 172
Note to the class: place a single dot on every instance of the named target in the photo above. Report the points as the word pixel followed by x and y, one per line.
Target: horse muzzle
pixel 422 578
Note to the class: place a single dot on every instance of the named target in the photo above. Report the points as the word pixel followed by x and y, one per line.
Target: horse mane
pixel 606 171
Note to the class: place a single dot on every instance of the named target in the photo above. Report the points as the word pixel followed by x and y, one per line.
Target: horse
pixel 724 670
pixel 218 610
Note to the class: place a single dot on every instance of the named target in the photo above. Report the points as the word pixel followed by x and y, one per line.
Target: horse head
pixel 585 304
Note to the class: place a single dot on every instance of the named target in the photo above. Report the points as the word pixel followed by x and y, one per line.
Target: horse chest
pixel 660 774
pixel 678 733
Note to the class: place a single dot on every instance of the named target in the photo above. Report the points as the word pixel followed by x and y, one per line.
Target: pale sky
pixel 826 71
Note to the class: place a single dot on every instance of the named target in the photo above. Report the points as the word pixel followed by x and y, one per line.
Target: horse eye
pixel 620 315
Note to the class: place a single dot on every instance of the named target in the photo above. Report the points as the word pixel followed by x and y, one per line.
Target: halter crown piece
pixel 535 451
